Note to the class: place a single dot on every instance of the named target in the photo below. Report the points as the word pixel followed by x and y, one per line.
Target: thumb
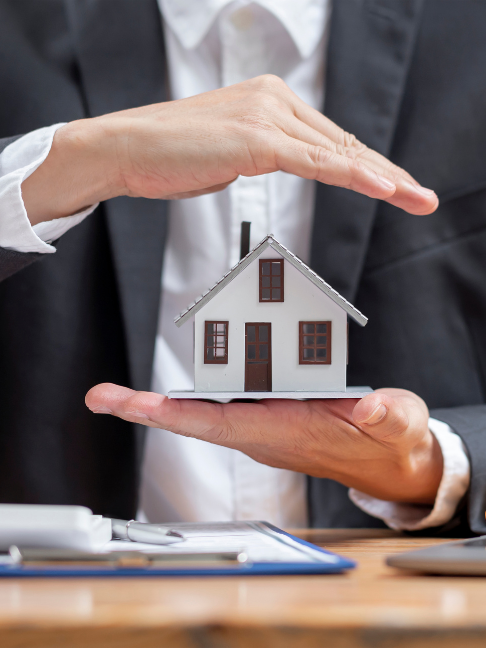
pixel 381 416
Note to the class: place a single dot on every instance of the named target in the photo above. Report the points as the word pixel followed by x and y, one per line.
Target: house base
pixel 351 392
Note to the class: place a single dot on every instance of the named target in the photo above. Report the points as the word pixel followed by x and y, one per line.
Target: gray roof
pixel 267 242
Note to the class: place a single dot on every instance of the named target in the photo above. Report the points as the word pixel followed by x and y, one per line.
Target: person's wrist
pixel 80 170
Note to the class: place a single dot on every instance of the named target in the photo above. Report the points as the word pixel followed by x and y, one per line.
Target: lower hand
pixel 184 148
pixel 380 445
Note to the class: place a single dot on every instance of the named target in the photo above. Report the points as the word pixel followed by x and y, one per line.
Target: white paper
pixel 259 542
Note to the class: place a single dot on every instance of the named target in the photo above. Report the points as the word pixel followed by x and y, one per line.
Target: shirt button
pixel 243 18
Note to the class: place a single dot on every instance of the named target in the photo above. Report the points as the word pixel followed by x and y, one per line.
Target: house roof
pixel 269 241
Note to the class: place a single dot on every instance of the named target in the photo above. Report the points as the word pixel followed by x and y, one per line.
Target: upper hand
pixel 201 144
pixel 380 444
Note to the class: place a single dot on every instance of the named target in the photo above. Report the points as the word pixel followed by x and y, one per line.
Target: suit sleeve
pixel 469 422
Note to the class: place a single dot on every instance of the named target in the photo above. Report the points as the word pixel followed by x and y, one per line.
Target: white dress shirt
pixel 214 43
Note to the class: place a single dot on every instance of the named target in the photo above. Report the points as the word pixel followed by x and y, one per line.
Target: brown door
pixel 258 356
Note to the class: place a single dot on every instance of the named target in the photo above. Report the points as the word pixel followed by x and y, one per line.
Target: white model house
pixel 273 328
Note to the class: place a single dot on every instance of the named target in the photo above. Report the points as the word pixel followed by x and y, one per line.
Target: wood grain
pixel 372 606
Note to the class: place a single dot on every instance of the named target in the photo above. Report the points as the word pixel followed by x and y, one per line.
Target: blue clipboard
pixel 320 561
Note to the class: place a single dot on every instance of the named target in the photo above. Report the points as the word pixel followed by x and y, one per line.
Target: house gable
pixel 266 246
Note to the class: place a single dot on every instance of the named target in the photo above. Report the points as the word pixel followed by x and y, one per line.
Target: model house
pixel 271 327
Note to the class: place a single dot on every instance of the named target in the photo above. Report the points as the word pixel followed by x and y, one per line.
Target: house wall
pixel 238 303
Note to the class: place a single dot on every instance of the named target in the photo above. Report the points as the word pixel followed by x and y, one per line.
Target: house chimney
pixel 245 239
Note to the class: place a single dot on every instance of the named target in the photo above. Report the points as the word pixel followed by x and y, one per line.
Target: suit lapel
pixel 370 48
pixel 119 48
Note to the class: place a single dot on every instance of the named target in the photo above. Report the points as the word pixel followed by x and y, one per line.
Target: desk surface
pixel 372 606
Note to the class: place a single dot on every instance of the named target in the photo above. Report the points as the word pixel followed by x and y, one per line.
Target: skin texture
pixel 380 444
pixel 198 145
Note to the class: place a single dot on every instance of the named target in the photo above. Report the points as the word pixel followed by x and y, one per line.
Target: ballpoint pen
pixel 143 532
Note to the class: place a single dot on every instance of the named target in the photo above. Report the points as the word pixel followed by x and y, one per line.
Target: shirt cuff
pixel 17 162
pixel 454 484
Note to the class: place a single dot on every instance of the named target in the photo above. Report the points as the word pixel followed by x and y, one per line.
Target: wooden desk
pixel 374 606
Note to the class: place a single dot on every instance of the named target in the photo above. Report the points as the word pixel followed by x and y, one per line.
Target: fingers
pixel 409 194
pixel 318 163
pixel 235 425
pixel 318 122
pixel 232 425
pixel 106 398
pixel 414 200
pixel 189 418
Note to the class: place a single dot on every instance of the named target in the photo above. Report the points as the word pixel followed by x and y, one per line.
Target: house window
pixel 215 342
pixel 315 342
pixel 271 280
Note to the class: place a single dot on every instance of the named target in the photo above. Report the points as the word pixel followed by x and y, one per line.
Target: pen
pixel 142 532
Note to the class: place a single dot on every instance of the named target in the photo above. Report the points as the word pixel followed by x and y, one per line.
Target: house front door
pixel 258 356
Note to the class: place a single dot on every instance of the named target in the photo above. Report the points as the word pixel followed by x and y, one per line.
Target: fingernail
pixel 424 190
pixel 418 188
pixel 139 415
pixel 388 184
pixel 376 415
pixel 101 409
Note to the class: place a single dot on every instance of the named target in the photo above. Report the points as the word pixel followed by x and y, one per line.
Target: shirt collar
pixel 191 20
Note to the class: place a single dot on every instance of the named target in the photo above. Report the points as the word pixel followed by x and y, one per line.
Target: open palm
pixel 380 444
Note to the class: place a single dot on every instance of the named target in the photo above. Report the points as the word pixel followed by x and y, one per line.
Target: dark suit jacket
pixel 407 78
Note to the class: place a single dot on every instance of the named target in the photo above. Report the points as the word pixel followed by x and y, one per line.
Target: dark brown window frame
pixel 260 281
pixel 315 346
pixel 224 359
